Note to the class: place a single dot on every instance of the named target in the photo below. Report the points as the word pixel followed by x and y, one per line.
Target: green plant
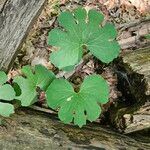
pixel 7 94
pixel 147 36
pixel 82 31
pixel 78 106
pixel 40 77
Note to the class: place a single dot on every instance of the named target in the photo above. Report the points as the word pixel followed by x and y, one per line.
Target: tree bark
pixel 30 130
pixel 16 19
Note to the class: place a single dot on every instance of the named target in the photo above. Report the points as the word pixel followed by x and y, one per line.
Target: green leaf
pixel 147 36
pixel 39 77
pixel 3 77
pixel 7 93
pixel 6 109
pixel 82 29
pixel 81 106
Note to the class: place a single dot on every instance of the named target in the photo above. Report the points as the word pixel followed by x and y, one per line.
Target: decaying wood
pixel 16 18
pixel 135 116
pixel 136 123
pixel 131 24
pixel 139 62
pixel 133 37
pixel 30 130
pixel 139 120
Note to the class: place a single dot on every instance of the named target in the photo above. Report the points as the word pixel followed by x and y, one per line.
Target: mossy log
pixel 134 112
pixel 28 130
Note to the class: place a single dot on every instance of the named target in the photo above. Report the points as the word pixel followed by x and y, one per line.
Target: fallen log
pixel 16 19
pixel 133 114
pixel 30 130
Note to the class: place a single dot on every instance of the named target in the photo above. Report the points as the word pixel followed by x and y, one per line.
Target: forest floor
pixel 35 50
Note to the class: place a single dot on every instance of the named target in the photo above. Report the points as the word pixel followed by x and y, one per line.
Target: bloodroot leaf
pixel 82 29
pixel 38 77
pixel 6 109
pixel 7 93
pixel 3 77
pixel 28 91
pixel 147 36
pixel 81 106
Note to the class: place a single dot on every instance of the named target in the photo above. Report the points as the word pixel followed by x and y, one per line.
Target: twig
pixel 132 24
pixel 41 109
pixel 50 111
pixel 135 41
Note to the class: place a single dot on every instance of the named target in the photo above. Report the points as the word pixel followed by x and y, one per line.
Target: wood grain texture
pixel 2 4
pixel 16 18
pixel 31 130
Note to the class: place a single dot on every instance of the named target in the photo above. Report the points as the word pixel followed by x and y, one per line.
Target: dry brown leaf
pixel 141 5
pixel 63 1
pixel 111 4
pixel 42 61
pixel 13 73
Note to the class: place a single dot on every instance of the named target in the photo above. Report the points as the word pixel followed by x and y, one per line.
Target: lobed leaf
pixel 82 29
pixel 7 93
pixel 147 36
pixel 39 77
pixel 3 77
pixel 81 106
pixel 6 109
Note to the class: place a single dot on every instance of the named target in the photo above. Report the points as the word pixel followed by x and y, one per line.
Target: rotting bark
pixel 16 19
pixel 33 130
pixel 133 114
pixel 133 37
